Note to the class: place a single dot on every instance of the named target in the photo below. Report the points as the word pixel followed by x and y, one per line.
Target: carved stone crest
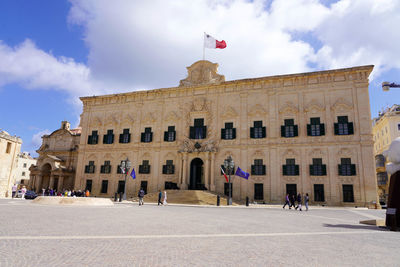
pixel 202 72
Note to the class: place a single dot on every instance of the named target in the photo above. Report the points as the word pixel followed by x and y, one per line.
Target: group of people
pixel 291 201
pixel 14 191
pixel 65 193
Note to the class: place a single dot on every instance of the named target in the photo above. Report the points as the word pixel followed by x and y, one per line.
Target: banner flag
pixel 241 173
pixel 133 174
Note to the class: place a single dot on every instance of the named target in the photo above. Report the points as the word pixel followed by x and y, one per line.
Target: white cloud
pixel 36 141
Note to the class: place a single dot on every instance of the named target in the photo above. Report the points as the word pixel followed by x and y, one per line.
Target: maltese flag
pixel 211 42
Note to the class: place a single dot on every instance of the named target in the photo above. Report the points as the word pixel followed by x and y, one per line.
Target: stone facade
pixel 57 161
pixel 22 173
pixel 10 147
pixel 273 127
pixel 385 129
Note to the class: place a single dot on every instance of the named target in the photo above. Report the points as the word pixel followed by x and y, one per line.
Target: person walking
pixel 23 191
pixel 292 201
pixel 287 202
pixel 298 202
pixel 141 196
pixel 159 198
pixel 165 198
pixel 13 190
pixel 306 199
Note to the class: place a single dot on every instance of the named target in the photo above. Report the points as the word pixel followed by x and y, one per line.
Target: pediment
pixel 344 152
pixel 111 119
pixel 128 119
pixel 257 110
pixel 314 107
pixel 341 105
pixel 202 72
pixel 96 121
pixel 289 108
pixel 171 117
pixel 315 152
pixel 290 153
pixel 149 118
pixel 229 112
pixel 258 154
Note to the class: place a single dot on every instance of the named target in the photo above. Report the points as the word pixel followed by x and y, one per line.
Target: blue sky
pixel 52 52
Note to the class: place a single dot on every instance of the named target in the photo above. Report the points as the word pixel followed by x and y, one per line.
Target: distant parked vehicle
pixel 30 195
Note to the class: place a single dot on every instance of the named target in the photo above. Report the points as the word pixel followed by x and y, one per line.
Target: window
pixel 125 137
pixel 343 127
pixel 380 161
pixel 315 128
pixel 226 189
pixel 346 168
pixel 290 169
pixel 258 191
pixel 119 171
pixel 258 168
pixel 348 193
pixel 289 129
pixel 23 173
pixel 198 131
pixel 145 167
pixel 143 185
pixel 169 168
pixel 228 133
pixel 258 131
pixel 382 178
pixel 121 186
pixel 90 168
pixel 317 168
pixel 319 195
pixel 291 189
pixel 109 137
pixel 147 136
pixel 104 186
pixel 93 139
pixel 232 171
pixel 24 165
pixel 398 126
pixel 88 185
pixel 170 135
pixel 106 168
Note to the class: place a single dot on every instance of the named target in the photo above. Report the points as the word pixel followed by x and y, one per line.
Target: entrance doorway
pixel 196 175
pixel 291 189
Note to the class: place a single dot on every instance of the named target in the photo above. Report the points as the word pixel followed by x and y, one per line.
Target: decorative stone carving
pixel 289 108
pixel 171 117
pixel 202 72
pixel 258 154
pixel 128 119
pixel 257 178
pixel 314 107
pixel 96 121
pixel 188 145
pixel 315 152
pixel 111 120
pixel 149 118
pixel 344 152
pixel 257 110
pixel 290 153
pixel 229 113
pixel 341 105
pixel 290 179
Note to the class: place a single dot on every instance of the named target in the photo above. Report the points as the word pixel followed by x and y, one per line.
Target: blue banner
pixel 241 173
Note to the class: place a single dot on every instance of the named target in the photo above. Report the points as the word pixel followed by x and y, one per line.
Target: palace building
pixel 307 133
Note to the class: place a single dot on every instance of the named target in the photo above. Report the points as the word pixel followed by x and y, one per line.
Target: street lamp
pixel 229 165
pixel 125 166
pixel 387 85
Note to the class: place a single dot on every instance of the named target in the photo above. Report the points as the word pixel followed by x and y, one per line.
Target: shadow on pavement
pixel 352 226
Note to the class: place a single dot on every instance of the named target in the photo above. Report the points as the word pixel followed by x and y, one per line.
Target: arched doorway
pixel 196 175
pixel 46 170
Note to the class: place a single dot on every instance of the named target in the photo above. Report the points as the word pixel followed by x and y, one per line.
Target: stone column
pixel 206 172
pixel 51 181
pixel 179 165
pixel 39 183
pixel 212 183
pixel 184 172
pixel 60 183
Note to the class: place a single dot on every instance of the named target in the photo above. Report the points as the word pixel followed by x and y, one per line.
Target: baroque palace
pixel 308 133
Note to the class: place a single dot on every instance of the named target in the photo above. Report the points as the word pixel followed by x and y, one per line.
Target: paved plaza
pixel 177 235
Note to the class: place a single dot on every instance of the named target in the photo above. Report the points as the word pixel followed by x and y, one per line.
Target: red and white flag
pixel 211 42
pixel 226 177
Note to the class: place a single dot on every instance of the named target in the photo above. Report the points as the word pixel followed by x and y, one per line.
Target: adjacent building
pixel 10 148
pixel 386 128
pixel 307 133
pixel 22 173
pixel 57 161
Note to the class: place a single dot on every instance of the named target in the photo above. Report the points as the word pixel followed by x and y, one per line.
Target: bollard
pixel 115 197
pixel 120 196
pixel 218 200
pixel 247 201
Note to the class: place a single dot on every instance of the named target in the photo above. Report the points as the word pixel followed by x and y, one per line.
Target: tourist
pixel 292 201
pixel 306 199
pixel 165 198
pixel 287 202
pixel 14 190
pixel 298 202
pixel 87 193
pixel 43 191
pixel 159 198
pixel 23 191
pixel 141 196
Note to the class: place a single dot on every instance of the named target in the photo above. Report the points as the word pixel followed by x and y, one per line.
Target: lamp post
pixel 229 164
pixel 125 166
pixel 387 85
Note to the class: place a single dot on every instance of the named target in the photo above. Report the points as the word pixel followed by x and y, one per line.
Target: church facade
pixel 299 133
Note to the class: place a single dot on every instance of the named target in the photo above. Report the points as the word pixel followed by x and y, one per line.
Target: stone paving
pixel 177 235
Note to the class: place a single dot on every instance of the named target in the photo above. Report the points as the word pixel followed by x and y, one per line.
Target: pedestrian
pixel 298 202
pixel 23 191
pixel 165 198
pixel 14 190
pixel 159 198
pixel 141 196
pixel 287 202
pixel 43 190
pixel 306 199
pixel 87 193
pixel 292 201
